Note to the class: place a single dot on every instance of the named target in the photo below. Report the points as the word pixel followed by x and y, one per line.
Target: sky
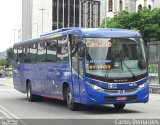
pixel 10 18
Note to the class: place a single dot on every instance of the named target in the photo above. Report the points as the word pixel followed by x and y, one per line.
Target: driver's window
pixel 76 60
pixel 74 55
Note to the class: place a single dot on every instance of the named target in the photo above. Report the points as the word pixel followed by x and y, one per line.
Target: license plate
pixel 121 98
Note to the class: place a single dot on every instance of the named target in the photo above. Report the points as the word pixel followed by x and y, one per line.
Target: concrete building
pixel 39 16
pixel 26 19
pixel 75 13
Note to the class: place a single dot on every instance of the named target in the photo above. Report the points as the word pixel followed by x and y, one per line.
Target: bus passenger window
pixel 52 51
pixel 26 54
pixel 41 52
pixel 20 54
pixel 33 53
pixel 15 55
pixel 62 50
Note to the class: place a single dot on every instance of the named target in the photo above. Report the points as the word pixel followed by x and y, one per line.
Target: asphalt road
pixel 14 104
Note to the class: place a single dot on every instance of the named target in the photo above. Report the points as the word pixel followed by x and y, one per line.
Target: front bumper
pixel 92 97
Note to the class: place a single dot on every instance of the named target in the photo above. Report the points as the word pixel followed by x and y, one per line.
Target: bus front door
pixel 75 64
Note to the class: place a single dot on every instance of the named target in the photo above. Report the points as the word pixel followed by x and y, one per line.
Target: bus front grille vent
pixel 128 91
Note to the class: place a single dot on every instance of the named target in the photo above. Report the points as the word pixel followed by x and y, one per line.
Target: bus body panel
pixel 18 74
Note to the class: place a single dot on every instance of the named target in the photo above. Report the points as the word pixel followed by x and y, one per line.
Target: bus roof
pixel 86 32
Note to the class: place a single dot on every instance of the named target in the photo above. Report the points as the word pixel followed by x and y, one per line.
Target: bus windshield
pixel 115 57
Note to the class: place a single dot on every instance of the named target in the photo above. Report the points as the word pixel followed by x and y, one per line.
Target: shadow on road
pixel 94 109
pixel 105 109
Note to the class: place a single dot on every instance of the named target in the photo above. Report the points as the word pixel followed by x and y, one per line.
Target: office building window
pixel 120 5
pixel 110 5
pixel 139 7
pixel 149 7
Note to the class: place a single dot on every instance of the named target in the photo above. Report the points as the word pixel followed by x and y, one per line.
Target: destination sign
pixel 98 44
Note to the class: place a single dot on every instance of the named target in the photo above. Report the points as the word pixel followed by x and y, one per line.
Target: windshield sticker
pixel 99 65
pixel 98 44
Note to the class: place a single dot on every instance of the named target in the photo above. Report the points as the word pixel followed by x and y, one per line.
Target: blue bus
pixel 87 66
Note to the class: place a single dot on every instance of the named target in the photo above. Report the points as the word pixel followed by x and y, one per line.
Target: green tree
pixel 9 57
pixel 145 21
pixel 7 61
pixel 4 62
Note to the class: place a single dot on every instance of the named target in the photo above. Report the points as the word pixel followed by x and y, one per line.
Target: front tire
pixel 69 98
pixel 119 106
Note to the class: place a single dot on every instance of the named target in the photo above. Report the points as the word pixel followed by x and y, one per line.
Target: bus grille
pixel 127 91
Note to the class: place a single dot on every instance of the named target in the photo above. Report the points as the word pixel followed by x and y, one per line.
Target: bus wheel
pixel 70 103
pixel 31 97
pixel 119 106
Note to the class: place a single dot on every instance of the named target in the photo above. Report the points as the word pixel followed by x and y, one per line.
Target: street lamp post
pixel 42 9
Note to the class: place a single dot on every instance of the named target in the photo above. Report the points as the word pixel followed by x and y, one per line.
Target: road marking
pixel 6 117
pixel 8 112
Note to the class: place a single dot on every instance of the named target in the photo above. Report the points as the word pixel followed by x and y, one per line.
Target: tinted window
pixel 20 54
pixel 33 53
pixel 62 51
pixel 15 54
pixel 41 52
pixel 52 51
pixel 26 54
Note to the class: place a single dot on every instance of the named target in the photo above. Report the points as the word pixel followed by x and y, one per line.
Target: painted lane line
pixel 8 116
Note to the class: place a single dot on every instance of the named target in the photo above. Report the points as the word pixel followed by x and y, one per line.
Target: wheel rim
pixel 69 98
pixel 28 93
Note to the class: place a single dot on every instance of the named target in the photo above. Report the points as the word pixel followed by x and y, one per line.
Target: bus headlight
pixel 143 85
pixel 95 87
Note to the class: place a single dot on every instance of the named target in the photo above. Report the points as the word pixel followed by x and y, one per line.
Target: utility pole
pixel 42 9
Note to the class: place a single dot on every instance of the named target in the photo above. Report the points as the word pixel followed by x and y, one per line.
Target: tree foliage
pixel 4 62
pixel 7 61
pixel 145 21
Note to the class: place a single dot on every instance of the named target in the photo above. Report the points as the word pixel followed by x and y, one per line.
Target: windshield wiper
pixel 123 62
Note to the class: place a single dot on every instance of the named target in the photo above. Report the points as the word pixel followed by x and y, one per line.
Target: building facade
pixel 75 13
pixel 110 7
pixel 39 16
pixel 26 19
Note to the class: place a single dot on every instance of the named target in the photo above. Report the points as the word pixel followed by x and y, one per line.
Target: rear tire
pixel 30 96
pixel 119 106
pixel 69 98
